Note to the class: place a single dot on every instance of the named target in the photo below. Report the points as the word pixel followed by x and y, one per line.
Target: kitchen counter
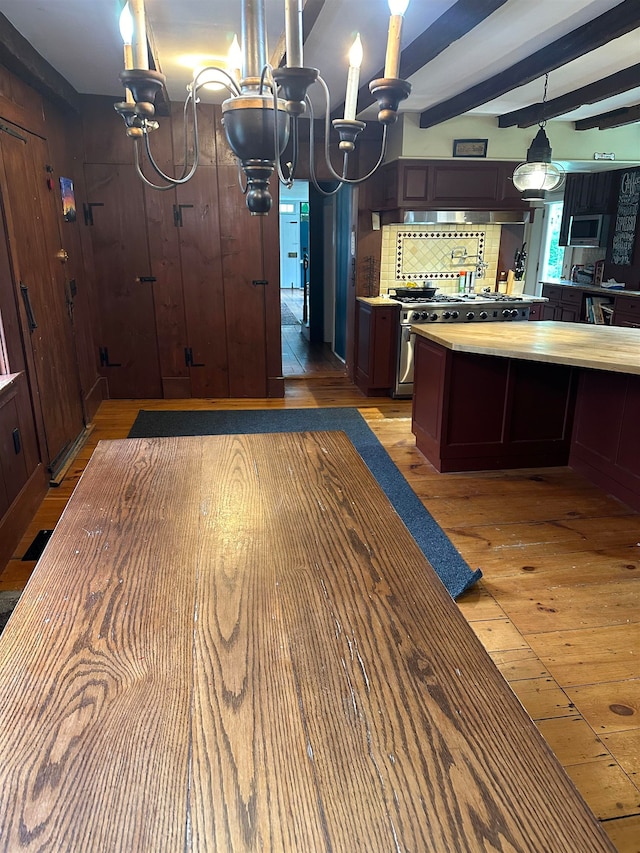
pixel 527 395
pixel 574 344
pixel 592 288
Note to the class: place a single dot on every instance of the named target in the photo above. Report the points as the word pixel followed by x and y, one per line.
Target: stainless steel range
pixel 445 308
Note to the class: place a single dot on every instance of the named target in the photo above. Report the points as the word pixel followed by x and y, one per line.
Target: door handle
pixel 31 320
pixel 62 256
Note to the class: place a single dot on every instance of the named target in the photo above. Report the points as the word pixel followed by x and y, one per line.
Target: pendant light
pixel 538 175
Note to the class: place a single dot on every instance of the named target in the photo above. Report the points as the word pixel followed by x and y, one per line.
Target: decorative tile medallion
pixel 437 255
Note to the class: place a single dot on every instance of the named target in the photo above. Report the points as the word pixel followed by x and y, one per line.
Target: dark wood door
pixel 128 345
pixel 245 284
pixel 33 210
pixel 204 300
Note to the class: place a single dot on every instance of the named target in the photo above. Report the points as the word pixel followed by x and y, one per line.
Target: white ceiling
pixel 81 40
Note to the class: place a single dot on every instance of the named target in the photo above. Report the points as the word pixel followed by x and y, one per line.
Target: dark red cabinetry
pixel 584 193
pixel 565 303
pixel 376 347
pixel 627 312
pixel 605 440
pixel 525 420
pixel 444 185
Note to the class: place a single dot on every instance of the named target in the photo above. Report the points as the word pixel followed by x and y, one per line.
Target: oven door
pixel 404 372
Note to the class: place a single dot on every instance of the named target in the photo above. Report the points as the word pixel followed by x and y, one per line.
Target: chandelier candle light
pixel 265 103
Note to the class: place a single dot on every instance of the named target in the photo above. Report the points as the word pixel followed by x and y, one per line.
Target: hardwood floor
pixel 557 607
pixel 300 358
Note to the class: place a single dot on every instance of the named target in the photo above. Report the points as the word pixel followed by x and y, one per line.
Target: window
pixel 552 253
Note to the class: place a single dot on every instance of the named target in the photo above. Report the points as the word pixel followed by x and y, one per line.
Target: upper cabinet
pixel 444 185
pixel 584 193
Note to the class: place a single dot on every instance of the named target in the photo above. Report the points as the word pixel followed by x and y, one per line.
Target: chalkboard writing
pixel 624 234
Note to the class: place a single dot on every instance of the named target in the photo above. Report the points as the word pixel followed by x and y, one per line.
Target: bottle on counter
pixel 462 281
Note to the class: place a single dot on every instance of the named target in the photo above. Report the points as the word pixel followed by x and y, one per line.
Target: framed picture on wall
pixel 68 200
pixel 470 147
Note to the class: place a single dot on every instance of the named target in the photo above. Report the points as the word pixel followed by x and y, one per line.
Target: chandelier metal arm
pixel 187 172
pixel 142 176
pixel 327 156
pixel 312 159
pixel 265 103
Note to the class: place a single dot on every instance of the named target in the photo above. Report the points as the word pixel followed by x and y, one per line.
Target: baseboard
pixel 94 397
pixel 275 386
pixel 19 515
pixel 176 387
pixel 60 472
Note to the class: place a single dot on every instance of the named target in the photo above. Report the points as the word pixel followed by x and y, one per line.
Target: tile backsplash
pixel 437 254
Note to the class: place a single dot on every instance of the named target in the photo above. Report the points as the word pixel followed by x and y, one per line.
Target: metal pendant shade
pixel 538 175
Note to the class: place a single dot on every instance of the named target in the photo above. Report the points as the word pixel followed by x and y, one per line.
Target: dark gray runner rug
pixel 453 571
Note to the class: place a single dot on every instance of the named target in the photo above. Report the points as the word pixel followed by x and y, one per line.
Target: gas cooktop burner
pixel 440 298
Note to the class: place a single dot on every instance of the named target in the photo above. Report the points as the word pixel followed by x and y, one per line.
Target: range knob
pixel 483 315
pixel 424 315
pixel 415 315
pixel 470 315
pixel 455 315
pixel 507 314
pixel 446 315
pixel 433 317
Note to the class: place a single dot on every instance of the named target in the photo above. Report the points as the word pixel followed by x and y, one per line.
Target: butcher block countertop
pixel 232 642
pixel 578 345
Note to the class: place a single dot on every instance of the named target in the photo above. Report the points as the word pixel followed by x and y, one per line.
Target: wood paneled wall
pixel 187 280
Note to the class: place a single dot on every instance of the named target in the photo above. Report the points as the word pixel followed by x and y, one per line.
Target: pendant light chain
pixel 543 120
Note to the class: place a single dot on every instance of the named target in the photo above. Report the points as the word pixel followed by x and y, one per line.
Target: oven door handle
pixel 405 366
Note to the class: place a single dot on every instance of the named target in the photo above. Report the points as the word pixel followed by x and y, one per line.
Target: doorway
pixel 307 282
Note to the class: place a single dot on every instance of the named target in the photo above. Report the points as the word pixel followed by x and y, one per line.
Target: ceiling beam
pixel 161 101
pixel 456 22
pixel 615 84
pixel 615 118
pixel 25 62
pixel 600 31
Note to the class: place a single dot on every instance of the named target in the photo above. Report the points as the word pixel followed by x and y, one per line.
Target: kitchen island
pixel 531 395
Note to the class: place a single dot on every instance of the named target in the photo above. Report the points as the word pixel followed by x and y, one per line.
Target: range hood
pixel 465 217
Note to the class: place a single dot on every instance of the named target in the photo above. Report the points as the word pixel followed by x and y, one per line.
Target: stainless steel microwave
pixel 589 230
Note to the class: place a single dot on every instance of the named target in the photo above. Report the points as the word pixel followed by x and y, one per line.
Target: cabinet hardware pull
pixel 104 358
pixel 259 282
pixel 146 279
pixel 17 444
pixel 31 320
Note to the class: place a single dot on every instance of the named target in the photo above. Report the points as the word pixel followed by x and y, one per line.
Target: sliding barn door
pixel 33 212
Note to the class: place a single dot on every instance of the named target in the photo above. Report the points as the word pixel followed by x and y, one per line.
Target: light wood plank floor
pixel 557 608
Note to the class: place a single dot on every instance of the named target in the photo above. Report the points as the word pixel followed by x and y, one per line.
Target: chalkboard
pixel 624 234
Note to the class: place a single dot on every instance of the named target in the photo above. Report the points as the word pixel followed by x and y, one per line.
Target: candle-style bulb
pixel 353 79
pixel 126 24
pixel 398 7
pixel 234 58
pixel 356 53
pixel 392 59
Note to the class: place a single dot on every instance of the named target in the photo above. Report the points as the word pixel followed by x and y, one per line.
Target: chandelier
pixel 538 175
pixel 265 104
